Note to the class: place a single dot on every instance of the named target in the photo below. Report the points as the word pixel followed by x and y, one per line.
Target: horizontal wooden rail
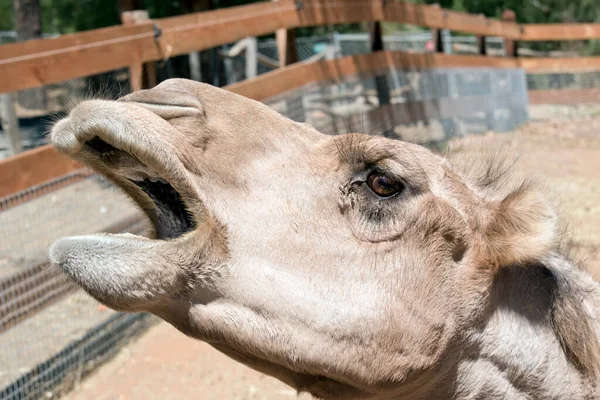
pixel 33 167
pixel 560 65
pixel 541 32
pixel 41 62
pixel 565 96
pixel 90 57
pixel 297 75
pixel 44 163
pixel 71 41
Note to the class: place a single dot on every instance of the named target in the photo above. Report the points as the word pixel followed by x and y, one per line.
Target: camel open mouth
pixel 173 218
pixel 161 201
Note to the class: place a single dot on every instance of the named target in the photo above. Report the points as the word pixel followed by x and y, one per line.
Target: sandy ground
pixel 164 364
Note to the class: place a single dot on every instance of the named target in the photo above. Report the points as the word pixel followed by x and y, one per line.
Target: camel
pixel 347 266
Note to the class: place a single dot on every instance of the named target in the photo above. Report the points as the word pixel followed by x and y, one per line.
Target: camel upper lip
pixel 134 147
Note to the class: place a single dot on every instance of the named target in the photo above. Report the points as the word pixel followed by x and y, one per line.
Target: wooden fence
pixel 141 40
pixel 41 62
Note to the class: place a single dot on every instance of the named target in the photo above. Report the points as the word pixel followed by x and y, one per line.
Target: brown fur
pixel 518 219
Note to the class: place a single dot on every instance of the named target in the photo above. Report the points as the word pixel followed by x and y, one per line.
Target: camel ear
pixel 520 228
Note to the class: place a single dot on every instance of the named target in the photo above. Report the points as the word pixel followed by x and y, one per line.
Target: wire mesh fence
pixel 580 80
pixel 65 369
pixel 339 45
pixel 424 104
pixel 49 330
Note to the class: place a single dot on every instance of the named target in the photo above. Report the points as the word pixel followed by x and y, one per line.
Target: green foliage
pixel 6 22
pixel 66 16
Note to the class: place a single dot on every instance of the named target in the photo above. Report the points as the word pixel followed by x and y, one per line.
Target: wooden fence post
pixel 436 37
pixel 385 116
pixel 286 47
pixel 10 123
pixel 481 45
pixel 137 78
pixel 383 91
pixel 510 45
pixel 288 54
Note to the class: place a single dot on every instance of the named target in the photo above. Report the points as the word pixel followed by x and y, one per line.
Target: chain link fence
pixel 51 333
pixel 425 105
pixel 580 80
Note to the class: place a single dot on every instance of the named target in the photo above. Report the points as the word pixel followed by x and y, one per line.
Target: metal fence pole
pixel 251 57
pixel 381 84
pixel 10 123
pixel 510 45
pixel 383 91
pixel 195 66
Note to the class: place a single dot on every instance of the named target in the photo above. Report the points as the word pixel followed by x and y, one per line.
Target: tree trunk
pixel 28 26
pixel 190 6
pixel 28 21
pixel 129 5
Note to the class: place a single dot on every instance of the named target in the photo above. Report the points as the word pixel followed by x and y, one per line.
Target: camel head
pixel 347 266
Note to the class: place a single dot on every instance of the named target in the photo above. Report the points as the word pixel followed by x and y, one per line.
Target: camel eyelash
pixel 370 169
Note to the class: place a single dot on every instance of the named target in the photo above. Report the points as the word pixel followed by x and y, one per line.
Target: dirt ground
pixel 164 364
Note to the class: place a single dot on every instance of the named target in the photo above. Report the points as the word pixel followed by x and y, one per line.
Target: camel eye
pixel 382 185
